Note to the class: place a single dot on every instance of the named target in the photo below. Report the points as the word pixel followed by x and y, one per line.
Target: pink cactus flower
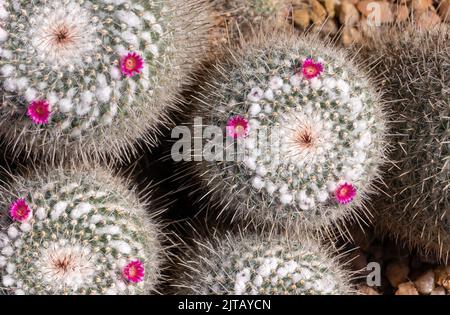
pixel 19 210
pixel 131 64
pixel 237 127
pixel 345 193
pixel 134 271
pixel 39 112
pixel 311 69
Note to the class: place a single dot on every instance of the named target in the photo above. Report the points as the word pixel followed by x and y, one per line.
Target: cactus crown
pixel 75 69
pixel 314 129
pixel 77 232
pixel 414 66
pixel 248 265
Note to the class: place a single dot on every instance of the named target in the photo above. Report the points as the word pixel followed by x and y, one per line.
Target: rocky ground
pixel 403 272
pixel 347 20
pixel 353 18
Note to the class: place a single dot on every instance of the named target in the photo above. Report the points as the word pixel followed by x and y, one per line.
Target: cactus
pixel 414 66
pixel 241 17
pixel 310 128
pixel 77 231
pixel 90 77
pixel 254 265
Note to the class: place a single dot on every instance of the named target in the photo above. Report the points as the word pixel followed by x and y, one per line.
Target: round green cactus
pixel 309 127
pixel 78 231
pixel 254 265
pixel 89 77
pixel 414 66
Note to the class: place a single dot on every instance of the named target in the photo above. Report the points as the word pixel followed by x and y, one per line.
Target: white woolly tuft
pixel 3 35
pixel 80 210
pixel 58 209
pixel 13 233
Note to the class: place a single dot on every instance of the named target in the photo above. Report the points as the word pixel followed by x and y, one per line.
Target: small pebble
pixel 421 5
pixel 441 275
pixel 406 288
pixel 427 19
pixel 348 15
pixel 301 18
pixel 366 7
pixel 425 283
pixel 401 13
pixel 318 13
pixel 366 290
pixel 446 283
pixel 444 10
pixel 329 6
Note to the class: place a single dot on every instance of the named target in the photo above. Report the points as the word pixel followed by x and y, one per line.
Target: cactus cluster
pixel 80 76
pixel 290 138
pixel 241 265
pixel 415 70
pixel 310 126
pixel 77 231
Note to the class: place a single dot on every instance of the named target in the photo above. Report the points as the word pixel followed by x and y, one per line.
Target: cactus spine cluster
pixel 242 17
pixel 415 69
pixel 252 265
pixel 311 126
pixel 78 231
pixel 80 76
